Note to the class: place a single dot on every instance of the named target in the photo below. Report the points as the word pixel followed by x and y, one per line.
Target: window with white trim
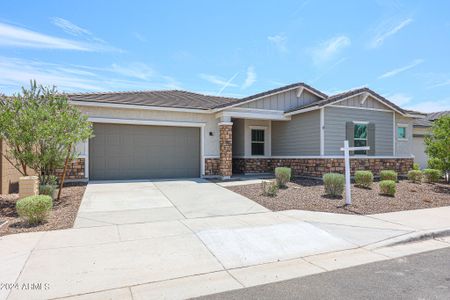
pixel 360 137
pixel 258 141
pixel 401 132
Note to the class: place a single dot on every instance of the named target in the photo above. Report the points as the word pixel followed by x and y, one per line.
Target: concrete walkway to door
pixel 127 202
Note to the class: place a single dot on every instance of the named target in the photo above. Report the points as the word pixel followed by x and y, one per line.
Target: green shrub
pixel 432 175
pixel 415 176
pixel 388 187
pixel 388 175
pixel 47 189
pixel 269 188
pixel 364 179
pixel 34 209
pixel 283 176
pixel 334 184
pixel 416 166
pixel 435 163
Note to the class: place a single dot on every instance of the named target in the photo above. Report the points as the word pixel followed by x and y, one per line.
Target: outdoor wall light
pixel 210 133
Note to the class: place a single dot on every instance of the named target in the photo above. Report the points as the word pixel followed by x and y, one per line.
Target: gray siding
pixel 282 101
pixel 238 137
pixel 404 147
pixel 356 102
pixel 299 136
pixel 335 119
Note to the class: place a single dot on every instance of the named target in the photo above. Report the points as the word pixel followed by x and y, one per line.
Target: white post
pixel 348 196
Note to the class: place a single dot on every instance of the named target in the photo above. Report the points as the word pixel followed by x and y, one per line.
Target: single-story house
pixel 174 134
pixel 421 127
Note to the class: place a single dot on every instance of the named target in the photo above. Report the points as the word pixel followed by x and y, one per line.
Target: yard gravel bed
pixel 308 194
pixel 62 215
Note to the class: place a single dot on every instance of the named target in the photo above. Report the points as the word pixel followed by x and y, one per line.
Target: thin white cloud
pixel 329 49
pixel 401 69
pixel 279 41
pixel 19 37
pixel 430 106
pixel 13 36
pixel 399 98
pixel 328 70
pixel 217 80
pixel 227 84
pixel 69 27
pixel 387 29
pixel 16 72
pixel 134 70
pixel 250 78
pixel 439 84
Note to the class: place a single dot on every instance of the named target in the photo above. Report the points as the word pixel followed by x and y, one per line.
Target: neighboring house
pixel 422 127
pixel 171 134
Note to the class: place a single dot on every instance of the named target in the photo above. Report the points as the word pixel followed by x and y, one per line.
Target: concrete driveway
pixel 180 239
pixel 106 203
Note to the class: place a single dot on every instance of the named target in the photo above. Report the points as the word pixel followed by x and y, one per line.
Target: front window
pixel 401 132
pixel 360 137
pixel 257 141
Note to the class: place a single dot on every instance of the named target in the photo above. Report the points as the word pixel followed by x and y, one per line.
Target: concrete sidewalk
pixel 198 256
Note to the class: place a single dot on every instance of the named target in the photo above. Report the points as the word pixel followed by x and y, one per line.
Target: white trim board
pixel 324 157
pixel 146 122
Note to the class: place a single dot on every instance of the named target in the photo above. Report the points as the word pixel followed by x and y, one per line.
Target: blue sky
pixel 231 48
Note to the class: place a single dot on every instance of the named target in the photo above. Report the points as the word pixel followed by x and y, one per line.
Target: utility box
pixel 28 186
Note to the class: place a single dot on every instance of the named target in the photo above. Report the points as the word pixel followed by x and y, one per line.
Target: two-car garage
pixel 123 151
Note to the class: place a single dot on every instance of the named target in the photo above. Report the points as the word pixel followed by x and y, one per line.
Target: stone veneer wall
pixel 75 170
pixel 319 166
pixel 226 144
pixel 212 166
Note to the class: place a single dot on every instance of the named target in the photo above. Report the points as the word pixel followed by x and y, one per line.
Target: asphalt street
pixel 420 276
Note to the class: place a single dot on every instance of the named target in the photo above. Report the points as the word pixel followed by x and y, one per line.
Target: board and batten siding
pixel 356 101
pixel 282 101
pixel 299 136
pixel 336 118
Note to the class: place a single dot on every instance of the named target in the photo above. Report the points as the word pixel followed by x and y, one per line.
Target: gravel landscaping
pixel 62 215
pixel 307 194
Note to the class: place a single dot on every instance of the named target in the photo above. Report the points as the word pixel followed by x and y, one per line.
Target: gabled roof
pixel 277 91
pixel 348 94
pixel 429 119
pixel 170 98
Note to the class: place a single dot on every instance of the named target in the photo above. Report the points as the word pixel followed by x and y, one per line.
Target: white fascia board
pixel 145 122
pixel 302 110
pixel 143 107
pixel 276 116
pixel 373 96
pixel 268 95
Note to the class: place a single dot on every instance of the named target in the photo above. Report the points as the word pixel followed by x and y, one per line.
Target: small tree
pixel 41 129
pixel 438 143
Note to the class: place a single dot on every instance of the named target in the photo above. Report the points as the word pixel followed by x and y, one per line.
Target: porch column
pixel 226 144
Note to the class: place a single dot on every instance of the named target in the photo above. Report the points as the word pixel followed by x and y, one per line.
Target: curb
pixel 411 237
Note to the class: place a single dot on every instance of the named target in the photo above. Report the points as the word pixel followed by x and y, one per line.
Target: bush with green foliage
pixel 41 129
pixel 334 184
pixel 415 176
pixel 269 188
pixel 388 175
pixel 283 176
pixel 435 163
pixel 388 187
pixel 34 209
pixel 364 179
pixel 438 144
pixel 431 175
pixel 416 166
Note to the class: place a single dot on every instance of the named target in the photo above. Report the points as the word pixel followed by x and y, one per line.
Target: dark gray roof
pixel 170 98
pixel 344 95
pixel 428 120
pixel 278 90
